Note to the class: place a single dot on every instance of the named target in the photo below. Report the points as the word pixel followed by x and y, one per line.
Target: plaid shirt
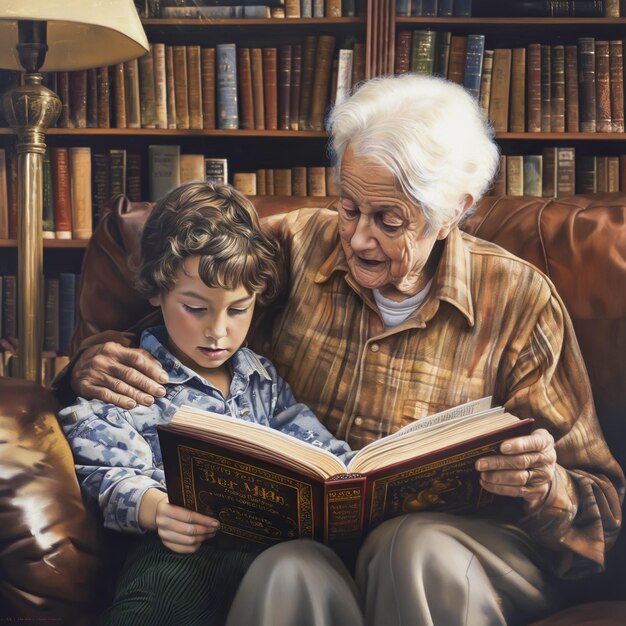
pixel 491 324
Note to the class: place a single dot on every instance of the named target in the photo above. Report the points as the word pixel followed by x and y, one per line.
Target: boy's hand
pixel 181 530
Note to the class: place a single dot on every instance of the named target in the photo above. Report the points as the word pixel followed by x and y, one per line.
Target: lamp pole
pixel 30 110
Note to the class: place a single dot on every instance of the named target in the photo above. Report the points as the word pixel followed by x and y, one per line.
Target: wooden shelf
pixel 515 21
pixel 50 243
pixel 273 21
pixel 165 132
pixel 563 136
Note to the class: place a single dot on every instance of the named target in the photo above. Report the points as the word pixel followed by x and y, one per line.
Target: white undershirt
pixel 394 313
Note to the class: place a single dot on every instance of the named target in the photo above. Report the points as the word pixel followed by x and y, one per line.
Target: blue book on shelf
pixel 67 308
pixel 226 59
pixel 306 8
pixel 445 8
pixel 462 8
pixel 474 64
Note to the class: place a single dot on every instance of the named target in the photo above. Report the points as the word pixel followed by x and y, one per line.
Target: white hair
pixel 430 133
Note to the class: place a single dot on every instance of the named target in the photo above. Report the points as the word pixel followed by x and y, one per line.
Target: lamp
pixel 50 35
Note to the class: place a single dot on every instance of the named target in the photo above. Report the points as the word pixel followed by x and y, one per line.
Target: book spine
pixel 613 174
pixel 586 174
pixel 181 87
pixel 532 175
pixel 244 74
pixel 226 62
pixel 48 195
pixel 485 81
pixel 104 97
pixel 294 96
pixel 269 181
pixel 292 9
pixel 117 172
pixel 546 88
pixel 548 181
pixel 456 66
pixel 306 8
pixel 533 84
pixel 318 8
pixel 194 80
pixel 587 84
pixel 67 310
pixel 282 182
pixel 557 89
pixel 602 185
pixel 80 185
pixel 260 183
pixel 257 88
pixel 216 170
pixel 514 175
pixel 500 89
pixel 101 183
pixel 298 181
pixel 445 8
pixel 316 181
pixel 78 99
pixel 270 88
pixel 610 8
pixel 603 88
pixel 474 64
pixel 416 8
pixel 344 514
pixel 332 8
pixel 62 198
pixel 134 177
pixel 442 53
pixel 284 86
pixel 423 52
pixel 403 52
pixel 132 90
pixel 170 83
pixel 616 69
pixel 429 8
pixel 344 75
pixel 245 183
pixel 207 65
pixel 63 84
pixel 403 8
pixel 566 172
pixel 92 98
pixel 9 307
pixel 51 315
pixel 358 64
pixel 321 80
pixel 571 89
pixel 147 99
pixel 306 92
pixel 119 88
pixel 462 8
pixel 164 170
pixel 160 85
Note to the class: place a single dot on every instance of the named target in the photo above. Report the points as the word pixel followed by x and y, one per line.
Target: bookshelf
pixel 247 150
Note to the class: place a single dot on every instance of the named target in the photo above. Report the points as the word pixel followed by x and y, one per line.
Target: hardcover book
pixel 266 486
pixel 226 74
pixel 207 68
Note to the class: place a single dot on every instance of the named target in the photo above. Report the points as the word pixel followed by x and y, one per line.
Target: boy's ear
pixel 155 300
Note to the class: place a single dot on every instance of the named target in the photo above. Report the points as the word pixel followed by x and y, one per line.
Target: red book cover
pixel 61 194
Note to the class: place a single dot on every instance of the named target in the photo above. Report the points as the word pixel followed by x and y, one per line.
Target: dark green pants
pixel 158 587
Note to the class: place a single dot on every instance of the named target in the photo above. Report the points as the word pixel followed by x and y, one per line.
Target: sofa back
pixel 578 241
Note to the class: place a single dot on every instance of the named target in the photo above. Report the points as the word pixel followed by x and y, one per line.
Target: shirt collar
pixel 243 364
pixel 451 282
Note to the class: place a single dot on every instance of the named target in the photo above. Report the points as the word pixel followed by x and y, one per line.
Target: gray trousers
pixel 418 569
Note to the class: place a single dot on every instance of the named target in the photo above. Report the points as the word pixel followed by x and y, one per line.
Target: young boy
pixel 205 261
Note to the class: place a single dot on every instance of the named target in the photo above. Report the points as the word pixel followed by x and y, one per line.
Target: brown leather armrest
pixel 48 555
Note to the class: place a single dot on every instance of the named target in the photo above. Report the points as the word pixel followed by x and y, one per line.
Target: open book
pixel 265 486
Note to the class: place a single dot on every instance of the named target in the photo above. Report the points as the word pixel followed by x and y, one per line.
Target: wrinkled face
pixel 384 236
pixel 206 325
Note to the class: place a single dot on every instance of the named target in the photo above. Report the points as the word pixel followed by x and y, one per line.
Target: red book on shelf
pixel 62 193
pixel 616 69
pixel 403 52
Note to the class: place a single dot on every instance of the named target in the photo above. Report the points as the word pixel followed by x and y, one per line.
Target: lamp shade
pixel 80 33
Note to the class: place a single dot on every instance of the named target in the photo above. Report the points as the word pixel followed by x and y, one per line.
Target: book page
pixel 260 441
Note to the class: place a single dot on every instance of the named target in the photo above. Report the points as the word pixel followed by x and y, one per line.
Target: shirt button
pixel 358 421
pixel 374 347
pixel 176 364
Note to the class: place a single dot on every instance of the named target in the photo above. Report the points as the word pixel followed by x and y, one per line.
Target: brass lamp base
pixel 30 110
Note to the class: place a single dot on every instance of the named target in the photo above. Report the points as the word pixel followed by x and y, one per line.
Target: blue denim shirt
pixel 117 453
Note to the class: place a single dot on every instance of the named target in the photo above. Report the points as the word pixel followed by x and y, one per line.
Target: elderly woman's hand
pixel 525 468
pixel 123 376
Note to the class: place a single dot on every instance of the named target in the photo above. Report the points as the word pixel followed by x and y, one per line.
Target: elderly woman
pixel 390 314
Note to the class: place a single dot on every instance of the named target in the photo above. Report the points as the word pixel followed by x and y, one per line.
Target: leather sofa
pixel 55 560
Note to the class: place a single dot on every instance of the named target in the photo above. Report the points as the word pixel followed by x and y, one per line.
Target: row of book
pixel 434 8
pixel 294 181
pixel 78 184
pixel 51 365
pixel 558 171
pixel 246 9
pixel 60 293
pixel 539 88
pixel 180 87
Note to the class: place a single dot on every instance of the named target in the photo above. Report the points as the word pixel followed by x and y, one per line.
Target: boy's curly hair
pixel 216 223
